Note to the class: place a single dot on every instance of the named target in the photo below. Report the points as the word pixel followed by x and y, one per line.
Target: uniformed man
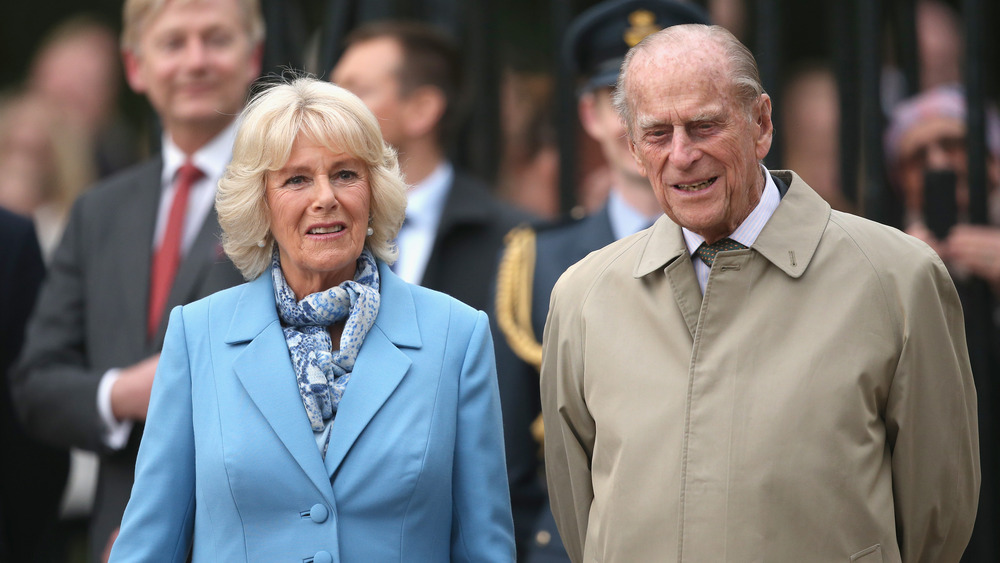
pixel 595 44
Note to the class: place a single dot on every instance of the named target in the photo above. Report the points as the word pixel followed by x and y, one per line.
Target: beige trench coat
pixel 815 405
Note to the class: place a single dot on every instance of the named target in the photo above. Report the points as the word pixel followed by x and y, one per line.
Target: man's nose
pixel 683 151
pixel 195 53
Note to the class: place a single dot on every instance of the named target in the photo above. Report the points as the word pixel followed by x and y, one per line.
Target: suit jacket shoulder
pixel 468 242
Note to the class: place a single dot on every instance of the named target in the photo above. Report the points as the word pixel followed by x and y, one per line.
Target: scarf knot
pixel 322 372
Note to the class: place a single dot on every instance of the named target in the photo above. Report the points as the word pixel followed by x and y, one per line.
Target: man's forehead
pixel 174 17
pixel 370 57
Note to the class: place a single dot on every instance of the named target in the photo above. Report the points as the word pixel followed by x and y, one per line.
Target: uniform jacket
pixel 556 249
pixel 91 317
pixel 229 463
pixel 469 238
pixel 816 404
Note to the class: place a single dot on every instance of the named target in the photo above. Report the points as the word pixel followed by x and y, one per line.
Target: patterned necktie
pixel 168 256
pixel 707 252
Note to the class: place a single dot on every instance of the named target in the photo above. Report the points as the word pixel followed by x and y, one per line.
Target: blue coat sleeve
pixel 159 520
pixel 482 529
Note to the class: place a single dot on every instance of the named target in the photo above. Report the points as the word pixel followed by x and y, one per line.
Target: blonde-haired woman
pixel 326 410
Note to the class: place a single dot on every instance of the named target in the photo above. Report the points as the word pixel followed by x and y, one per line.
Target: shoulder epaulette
pixel 515 280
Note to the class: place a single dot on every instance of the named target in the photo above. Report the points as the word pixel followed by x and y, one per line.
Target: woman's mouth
pixel 325 230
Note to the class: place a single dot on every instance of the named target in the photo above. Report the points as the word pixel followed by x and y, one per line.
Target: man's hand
pixel 114 535
pixel 976 249
pixel 130 394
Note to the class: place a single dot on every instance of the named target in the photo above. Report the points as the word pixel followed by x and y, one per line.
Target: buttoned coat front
pixel 816 404
pixel 230 465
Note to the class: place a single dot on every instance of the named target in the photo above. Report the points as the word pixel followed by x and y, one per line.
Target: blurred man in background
pixel 139 243
pixel 409 75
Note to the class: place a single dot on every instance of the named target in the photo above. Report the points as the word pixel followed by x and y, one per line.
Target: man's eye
pixel 171 44
pixel 219 39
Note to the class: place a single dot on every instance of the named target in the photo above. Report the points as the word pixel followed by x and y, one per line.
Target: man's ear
pixel 424 110
pixel 635 154
pixel 765 127
pixel 587 109
pixel 133 71
pixel 256 61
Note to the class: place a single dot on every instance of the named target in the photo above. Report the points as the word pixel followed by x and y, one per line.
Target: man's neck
pixel 636 192
pixel 191 139
pixel 418 161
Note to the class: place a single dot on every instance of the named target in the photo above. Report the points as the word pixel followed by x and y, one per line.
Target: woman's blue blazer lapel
pixel 265 371
pixel 380 366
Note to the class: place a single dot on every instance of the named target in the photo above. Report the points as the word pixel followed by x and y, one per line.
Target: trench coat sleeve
pixel 931 422
pixel 159 521
pixel 482 527
pixel 569 427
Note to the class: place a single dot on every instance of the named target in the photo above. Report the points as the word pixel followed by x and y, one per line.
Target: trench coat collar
pixel 788 240
pixel 265 370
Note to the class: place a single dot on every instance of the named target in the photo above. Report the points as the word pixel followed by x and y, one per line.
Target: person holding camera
pixel 929 165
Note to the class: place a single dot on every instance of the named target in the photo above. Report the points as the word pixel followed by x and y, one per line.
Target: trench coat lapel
pixel 265 370
pixel 791 236
pixel 665 250
pixel 380 366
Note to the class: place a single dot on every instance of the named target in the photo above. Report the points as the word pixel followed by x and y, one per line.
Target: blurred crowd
pixel 63 129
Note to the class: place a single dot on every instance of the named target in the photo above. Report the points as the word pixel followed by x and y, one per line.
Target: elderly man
pixel 140 243
pixel 755 377
pixel 595 45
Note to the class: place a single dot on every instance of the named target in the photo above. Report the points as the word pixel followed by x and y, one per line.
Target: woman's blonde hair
pixel 268 126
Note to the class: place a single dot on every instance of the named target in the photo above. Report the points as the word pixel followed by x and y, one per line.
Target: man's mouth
pixel 696 187
pixel 325 230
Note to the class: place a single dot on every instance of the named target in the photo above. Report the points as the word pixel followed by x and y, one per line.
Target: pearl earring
pixel 260 243
pixel 371 231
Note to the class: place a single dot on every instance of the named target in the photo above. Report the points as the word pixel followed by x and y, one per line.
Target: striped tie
pixel 707 252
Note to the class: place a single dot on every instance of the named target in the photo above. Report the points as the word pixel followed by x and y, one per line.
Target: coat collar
pixel 265 371
pixel 788 240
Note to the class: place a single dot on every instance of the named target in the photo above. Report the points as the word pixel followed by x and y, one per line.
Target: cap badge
pixel 643 23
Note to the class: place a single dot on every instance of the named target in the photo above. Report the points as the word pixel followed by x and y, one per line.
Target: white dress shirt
pixel 424 204
pixel 212 160
pixel 746 234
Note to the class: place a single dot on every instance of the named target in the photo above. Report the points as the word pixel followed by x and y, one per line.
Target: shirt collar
pixel 746 234
pixel 425 200
pixel 625 219
pixel 211 159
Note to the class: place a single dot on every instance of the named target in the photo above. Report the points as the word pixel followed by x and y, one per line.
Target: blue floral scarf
pixel 323 373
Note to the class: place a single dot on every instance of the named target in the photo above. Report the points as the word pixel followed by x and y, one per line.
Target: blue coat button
pixel 319 513
pixel 322 557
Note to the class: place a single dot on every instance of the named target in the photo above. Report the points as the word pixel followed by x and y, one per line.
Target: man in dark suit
pixel 32 474
pixel 596 44
pixel 139 243
pixel 409 76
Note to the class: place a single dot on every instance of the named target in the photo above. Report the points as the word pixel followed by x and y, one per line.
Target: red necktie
pixel 168 257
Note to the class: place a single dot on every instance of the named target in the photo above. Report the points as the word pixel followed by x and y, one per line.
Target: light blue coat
pixel 230 469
